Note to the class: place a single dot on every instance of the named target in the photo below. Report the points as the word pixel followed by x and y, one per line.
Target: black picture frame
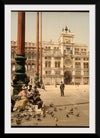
pixel 97 68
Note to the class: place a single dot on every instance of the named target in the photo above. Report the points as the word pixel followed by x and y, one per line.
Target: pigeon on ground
pixel 34 116
pixel 27 117
pixel 60 108
pixel 39 119
pixel 65 107
pixel 38 115
pixel 55 109
pixel 78 115
pixel 67 116
pixel 52 114
pixel 18 121
pixel 71 109
pixel 44 115
pixel 76 108
pixel 56 119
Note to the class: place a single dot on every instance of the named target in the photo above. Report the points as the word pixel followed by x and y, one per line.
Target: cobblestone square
pixel 72 110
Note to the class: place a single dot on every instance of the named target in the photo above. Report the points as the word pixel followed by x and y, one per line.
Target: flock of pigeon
pixel 51 111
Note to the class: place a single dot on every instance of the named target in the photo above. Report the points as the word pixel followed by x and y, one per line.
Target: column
pixel 41 48
pixel 52 65
pixel 21 33
pixel 36 79
pixel 82 70
pixel 37 44
pixel 20 76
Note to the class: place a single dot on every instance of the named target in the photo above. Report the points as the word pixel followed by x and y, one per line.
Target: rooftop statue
pixel 62 29
pixel 66 28
pixel 69 30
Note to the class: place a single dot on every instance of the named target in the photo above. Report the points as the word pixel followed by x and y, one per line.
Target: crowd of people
pixel 27 94
pixel 31 95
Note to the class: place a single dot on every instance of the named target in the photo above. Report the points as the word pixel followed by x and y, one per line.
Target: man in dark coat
pixel 62 86
pixel 38 101
pixel 35 91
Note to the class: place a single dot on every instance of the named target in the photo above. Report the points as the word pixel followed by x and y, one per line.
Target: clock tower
pixel 66 45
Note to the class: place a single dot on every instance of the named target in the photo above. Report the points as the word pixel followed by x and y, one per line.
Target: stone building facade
pixel 61 61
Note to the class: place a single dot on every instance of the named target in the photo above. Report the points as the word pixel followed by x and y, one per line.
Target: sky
pixel 52 24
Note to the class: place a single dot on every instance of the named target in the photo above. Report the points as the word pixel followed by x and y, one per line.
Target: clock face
pixel 68 62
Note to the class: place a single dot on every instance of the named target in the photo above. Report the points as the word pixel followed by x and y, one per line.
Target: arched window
pixel 33 55
pixel 58 64
pixel 49 64
pixel 86 65
pixel 29 55
pixel 45 63
pixel 55 64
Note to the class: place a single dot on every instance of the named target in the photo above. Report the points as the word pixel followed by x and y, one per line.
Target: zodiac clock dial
pixel 68 62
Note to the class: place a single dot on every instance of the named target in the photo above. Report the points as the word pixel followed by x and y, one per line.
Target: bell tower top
pixel 66 36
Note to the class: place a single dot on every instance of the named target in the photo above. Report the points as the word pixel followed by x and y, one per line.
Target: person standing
pixel 62 86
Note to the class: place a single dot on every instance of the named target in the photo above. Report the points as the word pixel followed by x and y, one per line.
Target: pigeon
pixel 65 107
pixel 22 115
pixel 75 108
pixel 30 114
pixel 27 117
pixel 67 116
pixel 39 119
pixel 78 115
pixel 38 115
pixel 44 115
pixel 51 105
pixel 34 116
pixel 18 121
pixel 56 119
pixel 55 109
pixel 25 114
pixel 47 111
pixel 50 112
pixel 71 109
pixel 52 115
pixel 60 108
pixel 71 113
pixel 17 115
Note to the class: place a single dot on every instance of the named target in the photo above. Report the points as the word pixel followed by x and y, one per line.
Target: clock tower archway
pixel 67 77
